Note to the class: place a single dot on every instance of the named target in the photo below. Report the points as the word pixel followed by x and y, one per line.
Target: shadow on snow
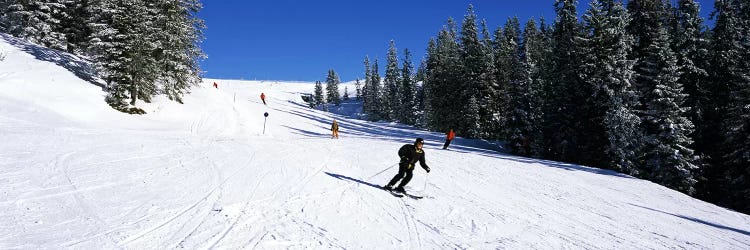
pixel 75 65
pixel 696 220
pixel 399 133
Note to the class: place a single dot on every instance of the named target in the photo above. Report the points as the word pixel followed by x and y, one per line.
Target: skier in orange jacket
pixel 448 138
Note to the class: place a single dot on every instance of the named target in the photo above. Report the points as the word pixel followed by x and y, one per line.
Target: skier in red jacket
pixel 448 138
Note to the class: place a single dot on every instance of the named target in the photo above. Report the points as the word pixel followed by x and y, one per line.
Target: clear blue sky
pixel 301 40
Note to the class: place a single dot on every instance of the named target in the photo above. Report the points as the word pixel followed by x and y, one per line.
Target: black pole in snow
pixel 265 116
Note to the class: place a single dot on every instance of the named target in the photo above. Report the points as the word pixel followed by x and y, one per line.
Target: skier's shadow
pixel 342 177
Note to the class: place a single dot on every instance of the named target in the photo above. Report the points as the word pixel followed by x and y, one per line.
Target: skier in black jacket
pixel 409 154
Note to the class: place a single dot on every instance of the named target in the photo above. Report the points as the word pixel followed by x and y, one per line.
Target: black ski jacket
pixel 410 155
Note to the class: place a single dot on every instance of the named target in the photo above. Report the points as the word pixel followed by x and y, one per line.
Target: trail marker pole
pixel 265 117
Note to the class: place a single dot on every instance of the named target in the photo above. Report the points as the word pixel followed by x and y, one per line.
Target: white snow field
pixel 75 173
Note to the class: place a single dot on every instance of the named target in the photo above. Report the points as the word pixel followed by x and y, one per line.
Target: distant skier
pixel 263 98
pixel 335 129
pixel 409 154
pixel 216 85
pixel 448 138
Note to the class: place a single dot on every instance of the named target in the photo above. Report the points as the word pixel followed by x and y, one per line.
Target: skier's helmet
pixel 418 141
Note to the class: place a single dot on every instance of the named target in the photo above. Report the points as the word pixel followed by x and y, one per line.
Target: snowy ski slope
pixel 76 174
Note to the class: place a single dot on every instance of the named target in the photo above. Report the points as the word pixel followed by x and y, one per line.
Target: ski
pixel 394 193
pixel 413 196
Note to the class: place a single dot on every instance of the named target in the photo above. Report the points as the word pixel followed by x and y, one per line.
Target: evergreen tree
pixel 421 75
pixel 367 98
pixel 647 17
pixel 318 96
pixel 472 56
pixel 564 96
pixel 518 127
pixel 444 69
pixel 346 93
pixel 488 88
pixel 532 59
pixel 428 86
pixel 4 15
pixel 407 113
pixel 74 26
pixel 476 80
pixel 609 73
pixel 666 155
pixel 391 100
pixel 376 92
pixel 728 91
pixel 472 116
pixel 124 45
pixel 502 107
pixel 178 52
pixel 690 48
pixel 358 90
pixel 542 81
pixel 332 88
pixel 690 45
pixel 37 21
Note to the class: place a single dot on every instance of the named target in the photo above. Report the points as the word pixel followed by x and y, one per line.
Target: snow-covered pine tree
pixel 318 96
pixel 487 103
pixel 690 46
pixel 357 90
pixel 429 63
pixel 501 100
pixel 562 109
pixel 4 15
pixel 731 83
pixel 472 116
pixel 179 51
pixel 421 74
pixel 420 103
pixel 376 92
pixel 367 100
pixel 690 43
pixel 407 113
pixel 532 58
pixel 475 78
pixel 645 16
pixel 609 74
pixel 391 101
pixel 124 44
pixel 667 155
pixel 75 27
pixel 518 125
pixel 592 142
pixel 444 68
pixel 332 88
pixel 346 93
pixel 37 21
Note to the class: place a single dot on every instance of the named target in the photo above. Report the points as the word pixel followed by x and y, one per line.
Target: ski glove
pixel 427 169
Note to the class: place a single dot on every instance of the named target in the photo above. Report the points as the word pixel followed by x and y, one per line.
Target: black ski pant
pixel 447 142
pixel 403 172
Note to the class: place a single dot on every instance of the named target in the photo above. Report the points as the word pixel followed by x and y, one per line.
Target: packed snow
pixel 204 174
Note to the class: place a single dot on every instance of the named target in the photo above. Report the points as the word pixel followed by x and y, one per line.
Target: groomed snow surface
pixel 76 174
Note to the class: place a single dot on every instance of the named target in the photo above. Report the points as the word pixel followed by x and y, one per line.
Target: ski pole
pixel 382 171
pixel 427 180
